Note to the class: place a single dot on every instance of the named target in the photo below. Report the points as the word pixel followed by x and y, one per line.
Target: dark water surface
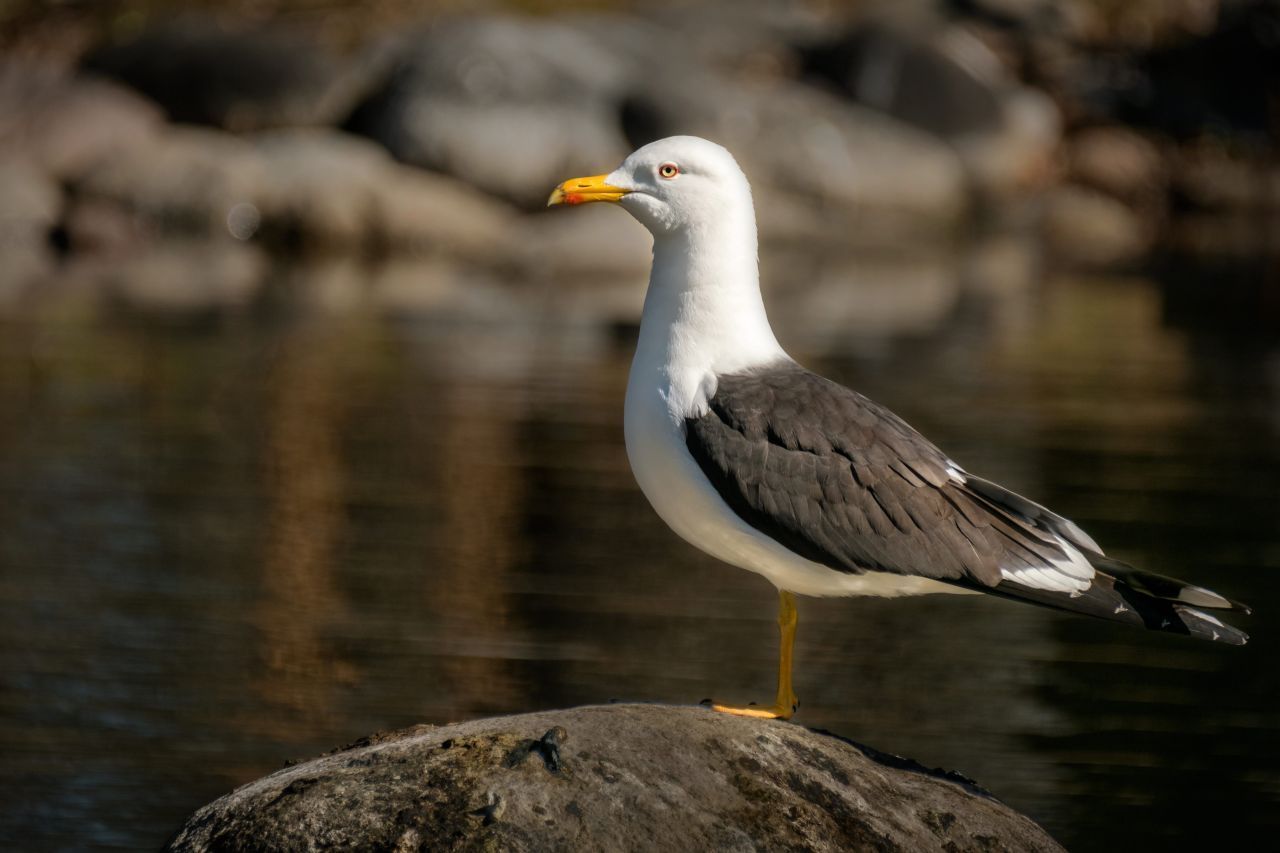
pixel 229 538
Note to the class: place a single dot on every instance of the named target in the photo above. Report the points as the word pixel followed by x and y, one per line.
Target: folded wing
pixel 844 482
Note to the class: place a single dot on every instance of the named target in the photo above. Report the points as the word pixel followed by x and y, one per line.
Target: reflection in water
pixel 467 601
pixel 303 484
pixel 249 536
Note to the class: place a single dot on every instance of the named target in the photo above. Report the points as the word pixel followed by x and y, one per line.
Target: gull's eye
pixel 668 170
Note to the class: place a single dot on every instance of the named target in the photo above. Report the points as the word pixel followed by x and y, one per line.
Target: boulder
pixel 603 244
pixel 1211 176
pixel 856 302
pixel 189 179
pixel 1093 229
pixel 510 105
pixel 1119 162
pixel 30 203
pixel 945 81
pixel 309 189
pixel 93 226
pixel 239 80
pixel 333 189
pixel 29 208
pixel 179 280
pixel 830 167
pixel 64 124
pixel 743 36
pixel 915 76
pixel 617 777
pixel 515 105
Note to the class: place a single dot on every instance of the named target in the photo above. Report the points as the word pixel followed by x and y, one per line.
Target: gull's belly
pixel 685 499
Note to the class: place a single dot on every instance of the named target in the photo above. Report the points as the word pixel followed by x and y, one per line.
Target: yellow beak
pixel 583 190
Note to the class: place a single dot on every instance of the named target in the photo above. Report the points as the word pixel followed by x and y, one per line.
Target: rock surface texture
pixel 616 777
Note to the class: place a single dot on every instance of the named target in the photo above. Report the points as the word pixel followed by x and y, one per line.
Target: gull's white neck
pixel 703 314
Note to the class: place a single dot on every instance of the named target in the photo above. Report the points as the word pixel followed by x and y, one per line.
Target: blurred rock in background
pixel 1089 127
pixel 239 79
pixel 510 105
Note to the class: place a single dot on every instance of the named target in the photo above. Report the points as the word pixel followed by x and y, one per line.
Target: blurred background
pixel 310 416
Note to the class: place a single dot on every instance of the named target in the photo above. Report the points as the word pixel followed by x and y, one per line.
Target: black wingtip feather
pixel 1163 586
pixel 1207 627
pixel 1115 600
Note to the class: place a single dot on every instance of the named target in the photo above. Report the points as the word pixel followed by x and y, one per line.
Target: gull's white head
pixel 703 313
pixel 671 186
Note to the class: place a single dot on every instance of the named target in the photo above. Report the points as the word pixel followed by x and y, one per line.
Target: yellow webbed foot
pixel 772 712
pixel 785 703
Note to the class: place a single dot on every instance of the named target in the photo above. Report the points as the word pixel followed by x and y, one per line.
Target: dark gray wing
pixel 844 482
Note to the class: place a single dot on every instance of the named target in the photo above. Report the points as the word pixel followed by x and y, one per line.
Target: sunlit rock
pixel 324 188
pixel 604 244
pixel 1119 162
pixel 1088 227
pixel 617 777
pixel 302 190
pixel 941 78
pixel 801 146
pixel 851 303
pixel 29 208
pixel 181 280
pixel 187 179
pixel 242 79
pixel 66 124
pixel 510 105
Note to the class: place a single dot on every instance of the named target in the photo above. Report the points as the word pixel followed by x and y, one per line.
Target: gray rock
pixel 181 280
pixel 604 244
pixel 1093 229
pixel 333 189
pixel 1019 157
pixel 310 189
pixel 857 302
pixel 515 105
pixel 1065 17
pixel 189 179
pixel 749 36
pixel 65 124
pixel 29 202
pixel 509 105
pixel 821 167
pixel 29 208
pixel 1215 177
pixel 98 227
pixel 1119 162
pixel 946 81
pixel 845 169
pixel 912 76
pixel 238 80
pixel 618 777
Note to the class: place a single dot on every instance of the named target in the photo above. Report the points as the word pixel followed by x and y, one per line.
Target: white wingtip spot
pixel 1071 574
pixel 1206 617
pixel 1202 597
pixel 1120 608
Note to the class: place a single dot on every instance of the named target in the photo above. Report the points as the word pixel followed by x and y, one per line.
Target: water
pixel 237 534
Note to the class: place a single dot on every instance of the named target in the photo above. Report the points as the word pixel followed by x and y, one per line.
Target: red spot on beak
pixel 573 198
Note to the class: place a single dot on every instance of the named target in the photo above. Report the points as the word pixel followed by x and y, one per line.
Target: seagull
pixel 768 466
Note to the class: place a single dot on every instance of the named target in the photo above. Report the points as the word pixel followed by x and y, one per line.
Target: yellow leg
pixel 785 704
